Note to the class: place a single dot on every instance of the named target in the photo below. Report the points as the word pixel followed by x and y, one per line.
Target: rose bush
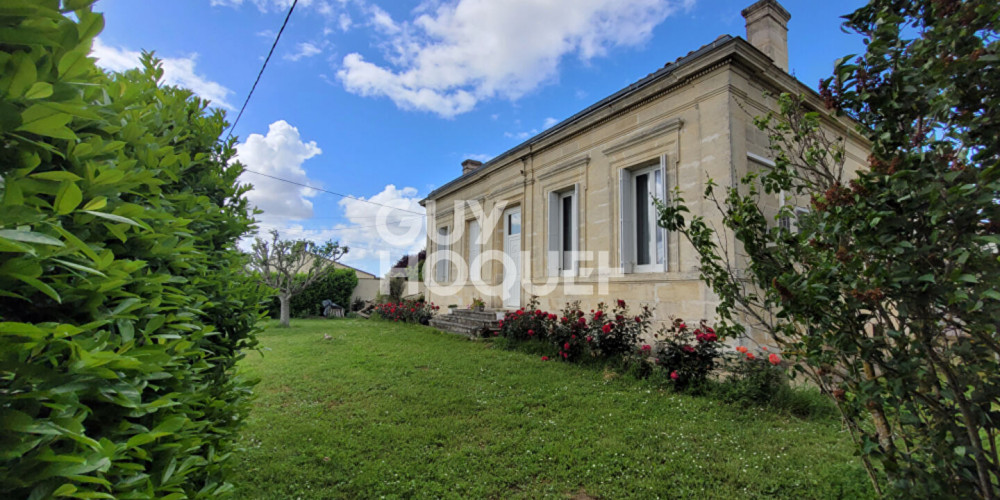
pixel 688 356
pixel 406 311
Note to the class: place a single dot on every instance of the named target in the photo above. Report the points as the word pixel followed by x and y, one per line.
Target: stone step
pixel 471 331
pixel 468 321
pixel 480 315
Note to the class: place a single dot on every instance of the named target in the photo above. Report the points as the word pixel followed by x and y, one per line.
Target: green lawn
pixel 404 411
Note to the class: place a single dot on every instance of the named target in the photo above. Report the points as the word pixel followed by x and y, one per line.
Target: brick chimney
pixel 767 29
pixel 470 165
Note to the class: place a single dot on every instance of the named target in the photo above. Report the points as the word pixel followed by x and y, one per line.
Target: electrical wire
pixel 261 72
pixel 332 192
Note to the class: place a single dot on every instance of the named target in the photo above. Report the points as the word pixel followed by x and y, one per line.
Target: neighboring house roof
pixel 360 273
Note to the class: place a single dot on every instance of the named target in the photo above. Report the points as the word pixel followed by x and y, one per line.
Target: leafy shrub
pixel 754 378
pixel 528 323
pixel 397 286
pixel 616 334
pixel 688 357
pixel 358 304
pixel 123 302
pixel 407 311
pixel 337 286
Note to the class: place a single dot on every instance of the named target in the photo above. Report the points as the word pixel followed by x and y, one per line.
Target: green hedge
pixel 123 303
pixel 337 286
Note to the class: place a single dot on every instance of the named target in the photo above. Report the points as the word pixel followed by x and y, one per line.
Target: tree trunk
pixel 286 307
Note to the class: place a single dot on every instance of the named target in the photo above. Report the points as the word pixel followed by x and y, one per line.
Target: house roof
pixel 559 127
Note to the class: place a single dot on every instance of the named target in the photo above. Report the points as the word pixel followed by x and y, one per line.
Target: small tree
pixel 887 293
pixel 290 266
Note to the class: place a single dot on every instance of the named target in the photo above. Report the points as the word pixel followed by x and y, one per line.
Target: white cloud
pixel 454 54
pixel 549 122
pixel 375 234
pixel 304 49
pixel 344 21
pixel 179 71
pixel 281 153
pixel 383 21
pixel 262 5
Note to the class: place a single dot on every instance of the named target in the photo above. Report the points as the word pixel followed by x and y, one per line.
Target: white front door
pixel 512 248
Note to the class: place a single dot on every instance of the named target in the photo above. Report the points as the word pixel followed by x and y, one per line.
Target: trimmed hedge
pixel 124 306
pixel 337 286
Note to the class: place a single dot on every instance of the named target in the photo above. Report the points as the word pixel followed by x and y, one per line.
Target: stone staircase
pixel 466 322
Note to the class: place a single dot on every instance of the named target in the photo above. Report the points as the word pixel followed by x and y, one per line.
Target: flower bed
pixel 406 311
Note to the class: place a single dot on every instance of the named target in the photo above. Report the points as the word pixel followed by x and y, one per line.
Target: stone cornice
pixel 576 162
pixel 643 135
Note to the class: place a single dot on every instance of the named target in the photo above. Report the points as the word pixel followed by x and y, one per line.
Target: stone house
pixel 569 214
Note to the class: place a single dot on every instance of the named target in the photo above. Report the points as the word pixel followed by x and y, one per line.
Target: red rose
pixel 688 348
pixel 531 332
pixel 674 375
pixel 750 356
pixel 621 303
pixel 552 316
pixel 682 326
pixel 545 358
pixel 565 355
pixel 565 319
pixel 589 338
pixel 638 319
pixel 501 323
pixel 582 321
pixel 606 328
pixel 598 314
pixel 646 348
pixel 774 359
pixel 566 346
pixel 573 337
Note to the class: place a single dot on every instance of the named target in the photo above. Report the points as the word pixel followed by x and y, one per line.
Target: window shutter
pixel 575 261
pixel 553 227
pixel 625 226
pixel 474 250
pixel 664 190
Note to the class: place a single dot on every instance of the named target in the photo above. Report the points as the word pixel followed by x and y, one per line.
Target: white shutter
pixel 625 226
pixel 574 264
pixel 656 215
pixel 553 227
pixel 473 236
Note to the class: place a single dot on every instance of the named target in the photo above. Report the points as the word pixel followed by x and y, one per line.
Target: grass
pixel 403 411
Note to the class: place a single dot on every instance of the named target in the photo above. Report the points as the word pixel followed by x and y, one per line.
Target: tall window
pixel 563 231
pixel 442 266
pixel 472 234
pixel 643 242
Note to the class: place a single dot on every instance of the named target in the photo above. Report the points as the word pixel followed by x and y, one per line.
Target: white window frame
pixel 564 261
pixel 475 248
pixel 442 266
pixel 627 249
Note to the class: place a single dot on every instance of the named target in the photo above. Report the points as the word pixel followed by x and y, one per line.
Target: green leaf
pixel 96 204
pixel 116 218
pixel 47 122
pixel 79 267
pixel 90 24
pixel 30 237
pixel 75 63
pixel 929 277
pixel 68 198
pixel 24 76
pixel 39 90
pixel 64 491
pixel 56 175
pixel 38 285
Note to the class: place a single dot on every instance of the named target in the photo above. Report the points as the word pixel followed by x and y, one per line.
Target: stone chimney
pixel 470 165
pixel 767 29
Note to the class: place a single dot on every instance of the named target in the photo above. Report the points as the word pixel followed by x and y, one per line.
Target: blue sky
pixel 383 100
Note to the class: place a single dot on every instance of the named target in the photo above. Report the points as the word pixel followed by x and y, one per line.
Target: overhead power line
pixel 333 193
pixel 268 58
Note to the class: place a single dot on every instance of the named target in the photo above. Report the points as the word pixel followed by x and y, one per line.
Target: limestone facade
pixel 691 121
